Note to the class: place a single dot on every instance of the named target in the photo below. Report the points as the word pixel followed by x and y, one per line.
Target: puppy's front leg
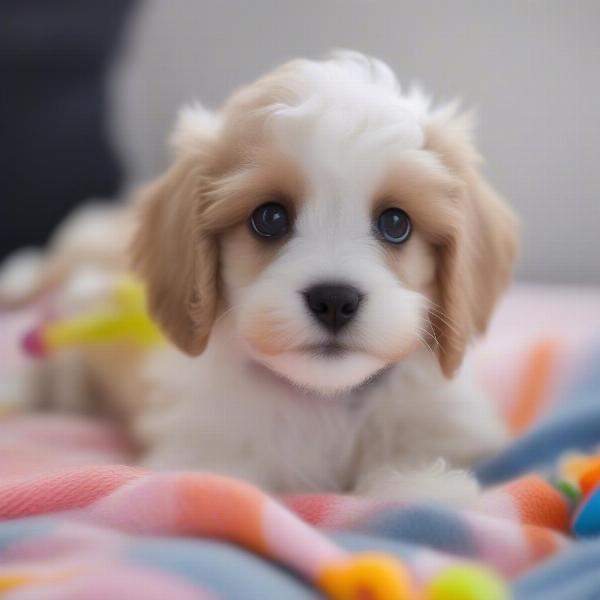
pixel 435 482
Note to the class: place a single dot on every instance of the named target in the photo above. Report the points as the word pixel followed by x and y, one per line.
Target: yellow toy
pixel 125 319
pixel 467 582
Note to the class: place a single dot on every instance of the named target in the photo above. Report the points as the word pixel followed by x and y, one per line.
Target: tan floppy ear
pixel 475 259
pixel 174 257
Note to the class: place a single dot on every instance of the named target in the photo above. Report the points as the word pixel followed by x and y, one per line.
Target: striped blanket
pixel 77 523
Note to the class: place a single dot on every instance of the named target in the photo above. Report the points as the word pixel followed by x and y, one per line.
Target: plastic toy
pixel 579 481
pixel 124 319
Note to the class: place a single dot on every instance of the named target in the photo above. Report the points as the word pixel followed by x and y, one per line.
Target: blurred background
pixel 91 90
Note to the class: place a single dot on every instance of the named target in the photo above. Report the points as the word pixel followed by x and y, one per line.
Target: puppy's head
pixel 339 223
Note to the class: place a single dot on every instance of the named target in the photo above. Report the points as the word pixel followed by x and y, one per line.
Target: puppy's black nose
pixel 334 306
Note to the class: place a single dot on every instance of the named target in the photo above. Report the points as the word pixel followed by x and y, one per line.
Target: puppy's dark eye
pixel 394 226
pixel 270 220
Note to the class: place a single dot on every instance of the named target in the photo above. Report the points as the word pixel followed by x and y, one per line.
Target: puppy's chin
pixel 327 374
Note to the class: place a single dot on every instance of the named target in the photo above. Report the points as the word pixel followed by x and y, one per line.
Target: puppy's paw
pixel 433 483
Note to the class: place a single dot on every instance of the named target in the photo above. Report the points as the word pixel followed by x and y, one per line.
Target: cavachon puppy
pixel 323 250
pixel 320 254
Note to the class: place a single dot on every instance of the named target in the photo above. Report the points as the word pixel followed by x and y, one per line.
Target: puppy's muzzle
pixel 333 305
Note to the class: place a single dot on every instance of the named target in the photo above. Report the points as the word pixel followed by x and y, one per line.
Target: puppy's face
pixel 338 224
pixel 329 274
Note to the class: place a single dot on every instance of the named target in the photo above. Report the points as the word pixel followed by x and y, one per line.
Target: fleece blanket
pixel 76 522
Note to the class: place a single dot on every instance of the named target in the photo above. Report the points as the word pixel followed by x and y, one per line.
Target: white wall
pixel 530 67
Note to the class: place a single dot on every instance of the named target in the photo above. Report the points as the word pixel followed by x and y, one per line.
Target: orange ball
pixel 371 576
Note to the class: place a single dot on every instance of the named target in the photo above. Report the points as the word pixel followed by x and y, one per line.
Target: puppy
pixel 321 253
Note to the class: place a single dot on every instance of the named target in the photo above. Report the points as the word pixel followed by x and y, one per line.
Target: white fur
pixel 193 123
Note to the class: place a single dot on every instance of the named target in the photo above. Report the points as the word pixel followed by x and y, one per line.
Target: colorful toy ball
pixel 467 582
pixel 582 472
pixel 368 576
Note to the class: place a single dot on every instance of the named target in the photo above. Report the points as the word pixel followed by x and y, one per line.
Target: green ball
pixel 467 582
